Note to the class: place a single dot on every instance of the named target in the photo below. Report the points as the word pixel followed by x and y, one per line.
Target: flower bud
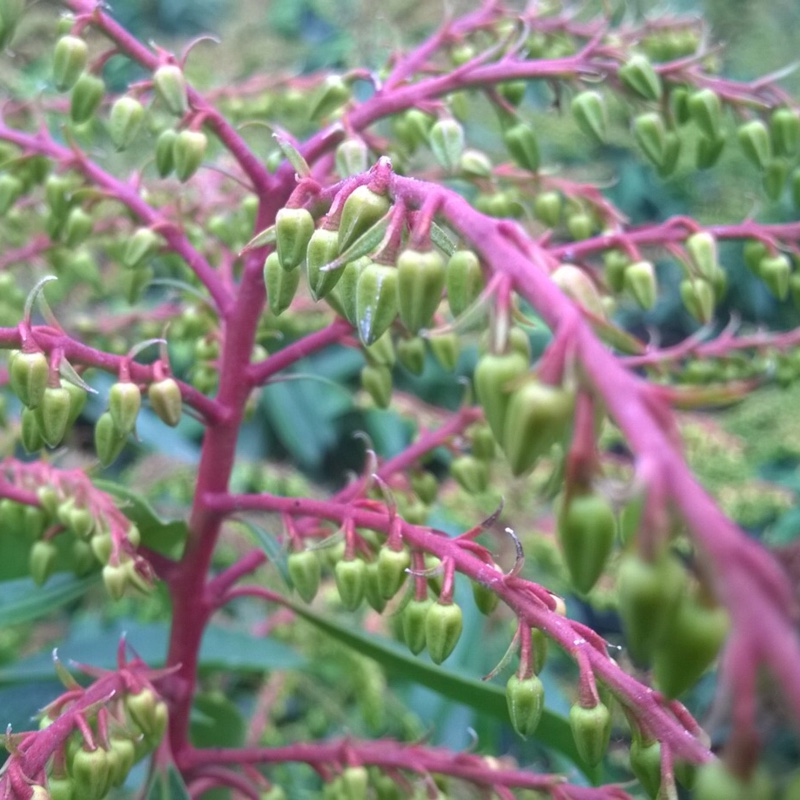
pixel 774 179
pixel 376 380
pixel 645 761
pixel 420 280
pixel 495 374
pixel 85 98
pixel 586 528
pixel 463 279
pixel 124 401
pixel 471 473
pixel 77 227
pixel 42 560
pixel 322 249
pixel 754 140
pixel 343 295
pixel 28 374
pixel 716 781
pixel 125 121
pixel 165 400
pixel 775 271
pixel 784 128
pixel 650 134
pixel 133 282
pixel 640 283
pixel 705 109
pixel 188 151
pixel 474 164
pixel 525 698
pixel 538 416
pixel 578 286
pixel 170 85
pixel 414 615
pixel 411 354
pixel 376 300
pixel 61 788
pixel 352 157
pixel 34 521
pixel 293 229
pixel 281 284
pixel 445 348
pixel 708 152
pixel 679 104
pixel 391 570
pixel 349 577
pixel 443 624
pixel 520 141
pixel 304 570
pixel 108 441
pixel 29 433
pixel 52 414
pixel 362 209
pixel 122 756
pixel 702 249
pixel 591 730
pixel 354 783
pixel 165 152
pixel 581 225
pixel 547 207
pixel 333 93
pixel 672 154
pixel 57 191
pixel 589 111
pixel 446 139
pixel 698 298
pixel 69 61
pixel 140 246
pixel 90 773
pixel 11 188
pixel 485 599
pixel 638 75
pixel 425 485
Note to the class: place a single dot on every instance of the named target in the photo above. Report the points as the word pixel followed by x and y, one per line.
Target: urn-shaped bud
pixel 170 85
pixel 165 400
pixel 188 151
pixel 589 111
pixel 525 698
pixel 85 98
pixel 293 229
pixel 69 61
pixel 420 280
pixel 443 624
pixel 125 121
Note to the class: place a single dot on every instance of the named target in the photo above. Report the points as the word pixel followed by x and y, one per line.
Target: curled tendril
pixel 519 560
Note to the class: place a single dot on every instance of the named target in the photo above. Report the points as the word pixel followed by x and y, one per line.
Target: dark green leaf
pixel 271 547
pixel 22 601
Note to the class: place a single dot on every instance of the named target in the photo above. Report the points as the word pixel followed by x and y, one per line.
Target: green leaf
pixel 216 721
pixel 292 155
pixel 271 547
pixel 22 601
pixel 167 784
pixel 553 730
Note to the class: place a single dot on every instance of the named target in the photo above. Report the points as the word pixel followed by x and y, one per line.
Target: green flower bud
pixel 420 280
pixel 754 140
pixel 425 486
pixel 547 207
pixel 445 348
pixel 42 560
pixel 513 91
pixel 293 229
pixel 376 380
pixel 615 262
pixel 140 246
pixel 578 286
pixel 648 592
pixel 349 577
pixel 281 284
pixel 77 227
pixel 715 781
pixel 446 139
pixel 775 271
pixel 414 629
pixel 343 296
pixel 69 61
pixel 443 624
pixel 122 756
pixel 362 209
pixel 391 570
pixel 165 400
pixel 125 121
pixel 101 546
pixel 115 579
pixel 170 85
pixel 784 128
pixel 580 225
pixel 57 193
pixel 589 111
pixel 586 528
pixel 645 760
pixel 85 98
pixel 28 374
pixel 52 414
pixel 638 75
pixel 679 104
pixel 352 157
pixel 354 783
pixel 525 698
pixel 494 378
pixel 376 300
pixel 672 154
pixel 538 416
pixel 165 152
pixel 640 283
pixel 381 352
pixel 108 441
pixel 48 499
pixel 304 570
pixel 30 435
pixel 81 521
pixel 474 164
pixel 774 179
pixel 83 560
pixel 520 141
pixel 124 402
pixel 591 730
pixel 90 772
pixel 698 298
pixel 702 249
pixel 705 109
pixel 322 249
pixel 333 93
pixel 471 473
pixel 11 188
pixel 34 521
pixel 708 151
pixel 61 788
pixel 463 279
pixel 188 151
pixel 650 134
pixel 411 354
pixel 133 282
pixel 485 599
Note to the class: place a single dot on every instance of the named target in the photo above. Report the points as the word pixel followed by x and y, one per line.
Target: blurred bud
pixel 640 283
pixel 170 85
pixel 125 121
pixel 165 400
pixel 85 98
pixel 446 140
pixel 188 151
pixel 754 140
pixel 638 74
pixel 165 153
pixel 520 141
pixel 705 109
pixel 589 111
pixel 69 61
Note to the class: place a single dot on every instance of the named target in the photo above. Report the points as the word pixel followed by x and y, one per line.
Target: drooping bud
pixel 547 207
pixel 471 473
pixel 69 61
pixel 638 74
pixel 650 134
pixel 589 111
pixel 443 624
pixel 708 151
pixel 28 374
pixel 85 97
pixel 475 164
pixel 349 577
pixel 281 284
pixel 578 286
pixel 645 761
pixel 376 300
pixel 411 354
pixel 414 616
pixel 525 698
pixel 354 783
pixel 463 280
pixel 672 154
pixel 705 110
pixel 42 560
pixel 495 374
pixel 754 140
pixel 77 227
pixel 344 293
pixel 322 249
pixel 108 441
pixel 391 570
pixel 188 151
pixel 420 280
pixel 362 209
pixel 775 271
pixel 165 400
pixel 333 93
pixel 640 282
pixel 140 246
pixel 520 141
pixel 351 157
pixel 125 121
pixel 446 139
pixel 124 401
pixel 784 128
pixel 52 414
pixel 148 711
pixel 376 380
pixel 591 730
pixel 170 85
pixel 304 570
pixel 445 348
pixel 293 229
pixel 774 179
pixel 702 249
pixel 698 298
pixel 90 773
pixel 165 152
